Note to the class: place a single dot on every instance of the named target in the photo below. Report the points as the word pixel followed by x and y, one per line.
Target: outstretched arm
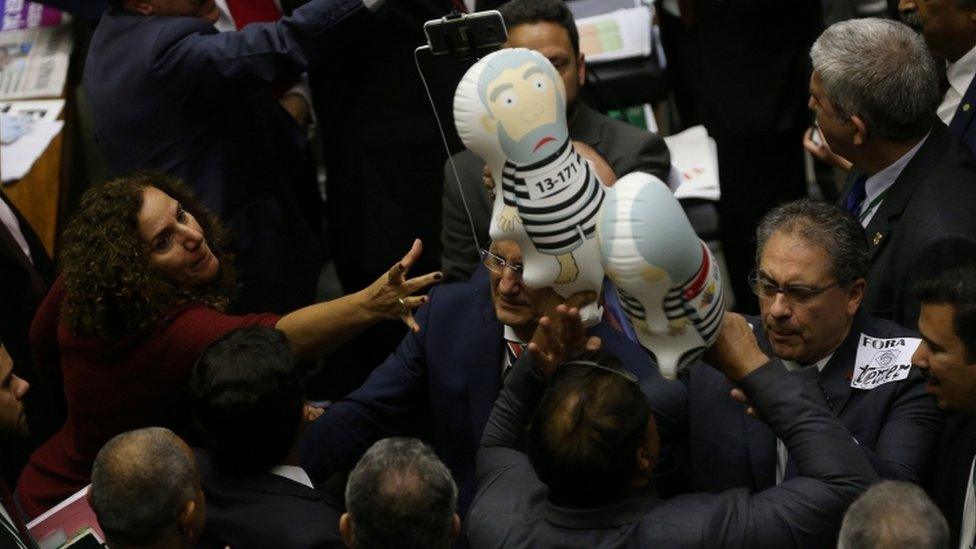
pixel 318 328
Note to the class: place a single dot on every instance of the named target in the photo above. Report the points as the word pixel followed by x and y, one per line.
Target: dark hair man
pixel 145 491
pixel 169 93
pixel 13 427
pixel 949 29
pixel 440 383
pixel 400 495
pixel 893 515
pixel 584 480
pixel 947 358
pixel 874 90
pixel 249 401
pixel 548 27
pixel 811 261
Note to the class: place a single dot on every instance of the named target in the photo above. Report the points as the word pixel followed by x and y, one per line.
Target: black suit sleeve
pixel 804 511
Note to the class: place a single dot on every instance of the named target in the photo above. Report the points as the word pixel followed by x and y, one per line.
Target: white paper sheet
pixel 17 158
pixel 694 161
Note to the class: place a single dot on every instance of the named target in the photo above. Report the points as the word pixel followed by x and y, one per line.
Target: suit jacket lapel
pixel 903 188
pixel 835 378
pixel 483 365
pixel 586 126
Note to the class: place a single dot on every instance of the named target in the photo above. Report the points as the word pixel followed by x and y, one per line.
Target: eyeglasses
pixel 497 264
pixel 796 293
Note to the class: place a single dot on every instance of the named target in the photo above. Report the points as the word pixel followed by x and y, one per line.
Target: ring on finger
pixel 404 310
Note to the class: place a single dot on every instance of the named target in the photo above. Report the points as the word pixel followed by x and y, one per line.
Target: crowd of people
pixel 161 363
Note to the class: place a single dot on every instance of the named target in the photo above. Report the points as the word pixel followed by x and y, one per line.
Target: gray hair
pixel 820 224
pixel 141 481
pixel 880 71
pixel 893 514
pixel 401 495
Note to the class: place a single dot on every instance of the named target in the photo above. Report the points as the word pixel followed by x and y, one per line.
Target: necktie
pixel 513 350
pixel 855 198
pixel 245 12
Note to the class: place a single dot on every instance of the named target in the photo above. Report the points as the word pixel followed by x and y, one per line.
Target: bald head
pixel 145 489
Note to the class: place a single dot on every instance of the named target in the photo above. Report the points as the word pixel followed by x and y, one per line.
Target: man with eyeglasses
pixel 810 279
pixel 441 382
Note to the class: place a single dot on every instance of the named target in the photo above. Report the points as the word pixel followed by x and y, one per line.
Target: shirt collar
pixel 794 366
pixel 511 336
pixel 879 182
pixel 293 472
pixel 960 74
pixel 628 511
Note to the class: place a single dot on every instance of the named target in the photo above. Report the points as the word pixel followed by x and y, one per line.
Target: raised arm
pixel 318 328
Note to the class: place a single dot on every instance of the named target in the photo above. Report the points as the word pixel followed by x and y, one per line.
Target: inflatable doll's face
pixel 525 105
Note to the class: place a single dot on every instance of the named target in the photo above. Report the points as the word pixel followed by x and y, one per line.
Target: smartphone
pixel 466 36
pixel 815 135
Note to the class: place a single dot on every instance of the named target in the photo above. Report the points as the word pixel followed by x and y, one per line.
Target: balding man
pixel 146 492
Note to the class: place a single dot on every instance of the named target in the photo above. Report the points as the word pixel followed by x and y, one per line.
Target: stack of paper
pixel 616 35
pixel 694 164
pixel 28 128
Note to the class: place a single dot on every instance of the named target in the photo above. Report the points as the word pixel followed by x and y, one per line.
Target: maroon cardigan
pixel 114 387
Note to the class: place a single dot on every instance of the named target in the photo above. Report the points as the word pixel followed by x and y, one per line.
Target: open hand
pixel 560 333
pixel 390 296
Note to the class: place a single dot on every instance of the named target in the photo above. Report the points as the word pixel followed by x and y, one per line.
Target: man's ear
pixel 488 123
pixel 860 130
pixel 455 528
pixel 581 68
pixel 855 296
pixel 345 530
pixel 187 520
pixel 142 7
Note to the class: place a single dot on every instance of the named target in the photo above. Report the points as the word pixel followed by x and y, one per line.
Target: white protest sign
pixel 881 361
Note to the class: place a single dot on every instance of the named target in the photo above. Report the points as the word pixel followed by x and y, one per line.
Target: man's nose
pixel 781 306
pixel 532 111
pixel 906 5
pixel 510 282
pixel 21 387
pixel 920 358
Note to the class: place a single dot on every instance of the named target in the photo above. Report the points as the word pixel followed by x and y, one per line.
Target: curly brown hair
pixel 111 289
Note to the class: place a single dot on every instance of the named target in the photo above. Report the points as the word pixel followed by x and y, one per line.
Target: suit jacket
pixel 626 148
pixel 438 385
pixel 511 508
pixel 953 463
pixel 931 200
pixel 24 287
pixel 171 94
pixel 897 424
pixel 961 124
pixel 265 511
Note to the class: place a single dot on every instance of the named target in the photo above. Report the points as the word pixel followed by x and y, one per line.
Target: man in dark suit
pixel 874 91
pixel 248 399
pixel 440 383
pixel 26 271
pixel 810 282
pixel 947 358
pixel 582 476
pixel 548 27
pixel 949 29
pixel 171 94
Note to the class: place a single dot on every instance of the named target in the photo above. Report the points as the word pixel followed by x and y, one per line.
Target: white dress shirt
pixel 882 181
pixel 959 74
pixel 9 220
pixel 293 472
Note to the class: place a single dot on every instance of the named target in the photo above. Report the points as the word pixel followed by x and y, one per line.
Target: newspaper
pixel 62 523
pixel 27 128
pixel 20 14
pixel 34 62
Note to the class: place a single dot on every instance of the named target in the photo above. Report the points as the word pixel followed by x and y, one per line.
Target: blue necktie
pixel 855 198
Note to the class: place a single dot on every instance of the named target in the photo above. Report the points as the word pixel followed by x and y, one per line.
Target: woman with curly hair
pixel 144 284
